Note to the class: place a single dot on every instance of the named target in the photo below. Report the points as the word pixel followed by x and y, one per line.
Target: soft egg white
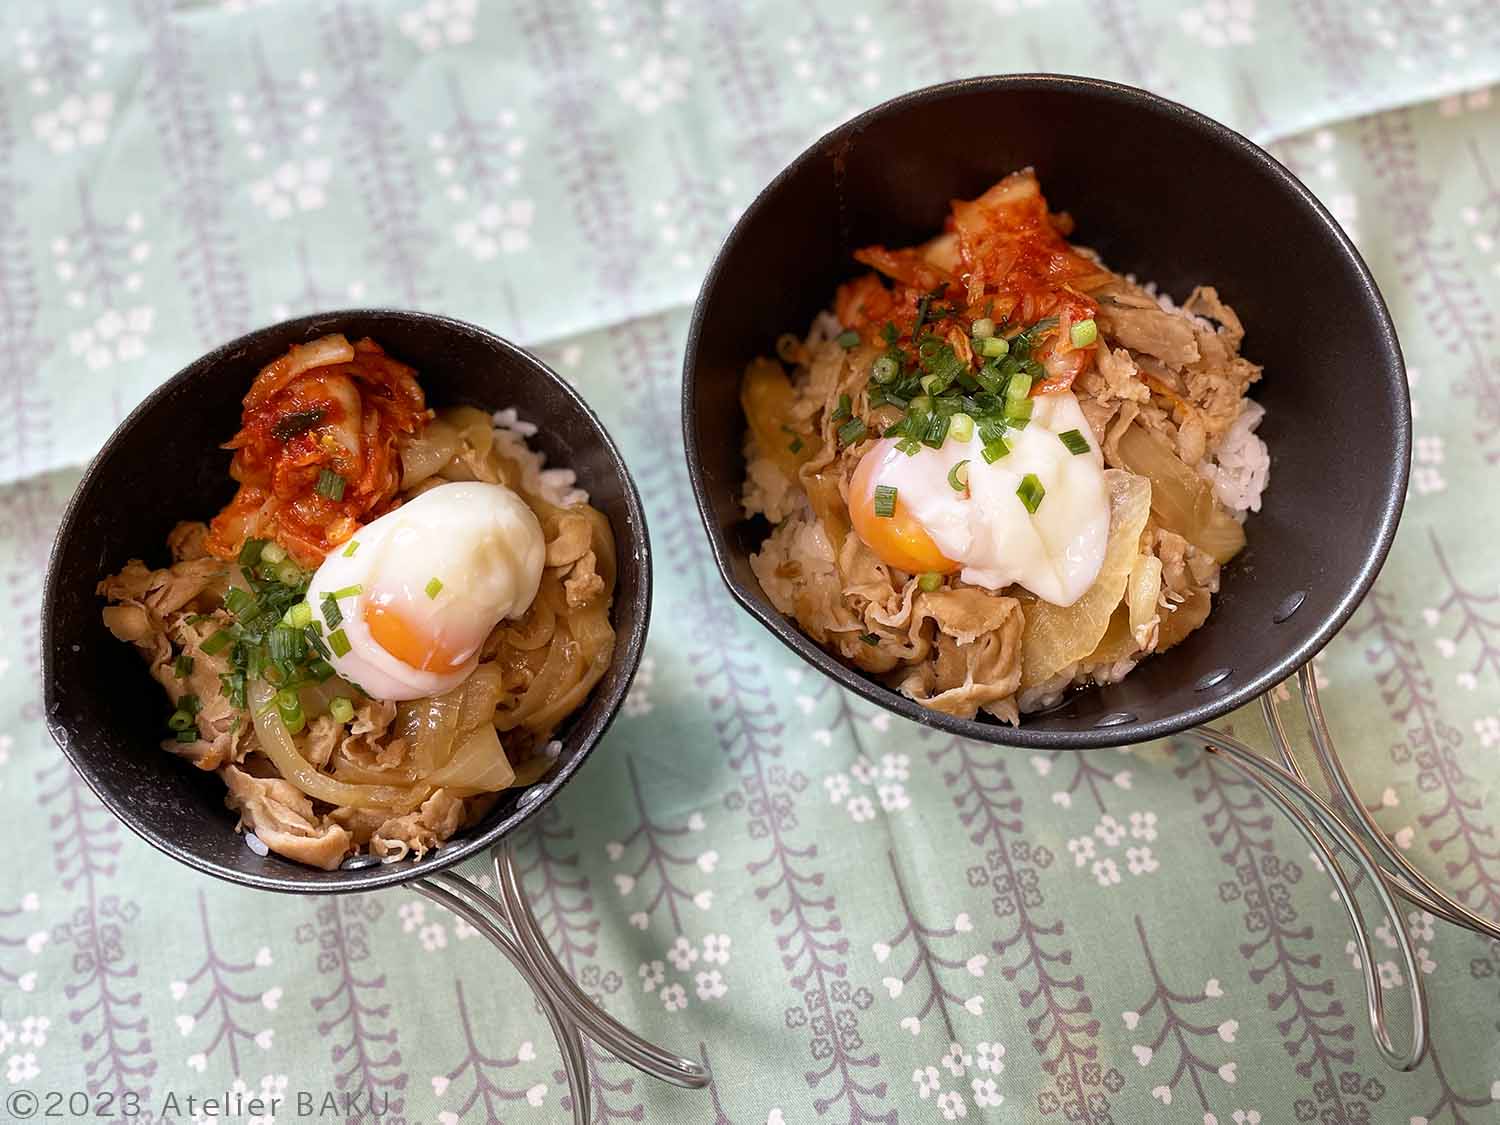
pixel 436 575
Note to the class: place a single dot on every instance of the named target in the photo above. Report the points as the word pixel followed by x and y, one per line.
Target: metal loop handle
pixel 454 893
pixel 594 1021
pixel 1283 787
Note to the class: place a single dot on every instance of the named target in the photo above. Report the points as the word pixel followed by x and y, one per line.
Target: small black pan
pixel 1164 193
pixel 164 464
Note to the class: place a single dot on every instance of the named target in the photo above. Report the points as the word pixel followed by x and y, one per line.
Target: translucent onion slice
pixel 1182 500
pixel 768 398
pixel 1142 596
pixel 479 765
pixel 1056 636
pixel 427 452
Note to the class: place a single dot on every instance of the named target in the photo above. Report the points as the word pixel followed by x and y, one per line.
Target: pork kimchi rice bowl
pixel 997 469
pixel 386 624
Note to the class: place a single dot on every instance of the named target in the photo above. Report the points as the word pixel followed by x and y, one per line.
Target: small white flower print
pixel 34 1030
pixel 1425 479
pixel 1143 826
pixel 1109 830
pixel 433 937
pixel 893 797
pixel 297 185
pixel 674 997
pixel 956 1061
pixel 7 1035
pixel 682 954
pixel 78 121
pixel 412 915
pixel 1106 872
pixel 860 809
pixel 1488 730
pixel 439 23
pixel 1390 975
pixel 1419 925
pixel 496 229
pixel 1140 861
pixel 926 1080
pixel 115 337
pixel 21 1068
pixel 716 949
pixel 1424 960
pixel 1220 23
pixel 652 973
pixel 1082 849
pixel 895 767
pixel 654 83
pixel 953 1106
pixel 710 984
pixel 1428 449
pixel 863 770
pixel 1246 1117
pixel 989 1057
pixel 838 787
pixel 986 1093
pixel 638 699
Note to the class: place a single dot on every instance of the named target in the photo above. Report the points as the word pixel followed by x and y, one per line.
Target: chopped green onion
pixel 273 553
pixel 341 708
pixel 182 667
pixel 888 333
pixel 847 340
pixel 909 446
pixel 295 723
pixel 1018 387
pixel 994 450
pixel 982 329
pixel 288 573
pixel 958 476
pixel 1084 333
pixel 930 581
pixel 233 684
pixel 190 703
pixel 852 431
pixel 348 591
pixel 239 602
pixel 961 427
pixel 320 669
pixel 331 612
pixel 992 347
pixel 251 552
pixel 287 645
pixel 937 431
pixel 339 643
pixel 217 643
pixel 921 405
pixel 870 639
pixel 1017 414
pixel 298 616
pixel 349 550
pixel 885 369
pixel 885 501
pixel 434 587
pixel 180 720
pixel 287 699
pixel 315 640
pixel 795 446
pixel 1031 492
pixel 931 385
pixel 330 484
pixel 1075 442
pixel 844 410
pixel 189 735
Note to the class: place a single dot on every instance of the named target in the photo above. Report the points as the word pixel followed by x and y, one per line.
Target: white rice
pixel 556 486
pixel 1241 466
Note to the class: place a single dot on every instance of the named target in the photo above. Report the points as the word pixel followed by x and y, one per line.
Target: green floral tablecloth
pixel 851 919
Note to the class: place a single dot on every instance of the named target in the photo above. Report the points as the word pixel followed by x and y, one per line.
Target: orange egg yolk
pixel 898 540
pixel 413 646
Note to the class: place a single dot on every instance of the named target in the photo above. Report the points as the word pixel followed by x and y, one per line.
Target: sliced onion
pixel 1142 596
pixel 1056 636
pixel 276 744
pixel 479 764
pixel 429 726
pixel 1182 500
pixel 426 453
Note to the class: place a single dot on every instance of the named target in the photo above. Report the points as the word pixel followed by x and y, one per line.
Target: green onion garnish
pixel 982 329
pixel 961 427
pixel 844 409
pixel 1031 492
pixel 994 450
pixel 273 553
pixel 233 684
pixel 298 616
pixel 287 645
pixel 331 612
pixel 339 643
pixel 349 550
pixel 1084 333
pixel 885 369
pixel 251 552
pixel 288 573
pixel 295 723
pixel 795 446
pixel 930 581
pixel 320 669
pixel 852 431
pixel 348 591
pixel 217 643
pixel 330 484
pixel 189 735
pixel 433 588
pixel 1017 414
pixel 885 501
pixel 992 347
pixel 889 333
pixel 1075 442
pixel 315 641
pixel 847 340
pixel 341 708
pixel 239 602
pixel 937 431
pixel 182 667
pixel 180 720
pixel 871 639
pixel 958 476
pixel 190 703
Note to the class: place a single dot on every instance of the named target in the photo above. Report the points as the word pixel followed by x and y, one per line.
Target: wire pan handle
pixel 509 924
